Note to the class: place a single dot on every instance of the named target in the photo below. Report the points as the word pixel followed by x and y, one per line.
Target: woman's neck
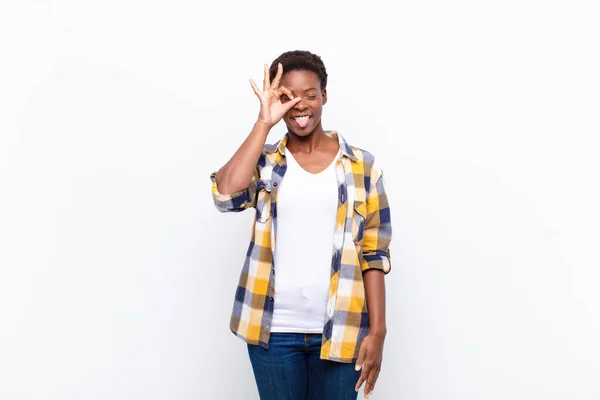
pixel 307 144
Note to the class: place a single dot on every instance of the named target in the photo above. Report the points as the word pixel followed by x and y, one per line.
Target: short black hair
pixel 300 60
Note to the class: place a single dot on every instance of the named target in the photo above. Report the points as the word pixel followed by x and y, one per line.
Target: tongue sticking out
pixel 302 121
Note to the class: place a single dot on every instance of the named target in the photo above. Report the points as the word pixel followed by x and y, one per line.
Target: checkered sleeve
pixel 378 227
pixel 237 201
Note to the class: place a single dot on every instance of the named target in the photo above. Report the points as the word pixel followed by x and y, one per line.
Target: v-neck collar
pixel 329 166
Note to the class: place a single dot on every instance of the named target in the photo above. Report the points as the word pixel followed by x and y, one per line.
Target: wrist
pixel 263 124
pixel 379 332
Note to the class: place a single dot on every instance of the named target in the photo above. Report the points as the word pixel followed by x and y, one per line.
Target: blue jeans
pixel 290 369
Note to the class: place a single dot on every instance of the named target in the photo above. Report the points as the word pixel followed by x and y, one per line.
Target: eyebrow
pixel 309 89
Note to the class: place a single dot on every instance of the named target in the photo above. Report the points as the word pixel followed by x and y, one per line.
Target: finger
pixel 362 352
pixel 293 100
pixel 277 78
pixel 266 79
pixel 363 377
pixel 287 92
pixel 371 379
pixel 255 88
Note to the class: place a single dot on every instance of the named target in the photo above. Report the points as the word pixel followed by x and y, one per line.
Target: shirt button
pixel 275 184
pixel 283 166
pixel 270 299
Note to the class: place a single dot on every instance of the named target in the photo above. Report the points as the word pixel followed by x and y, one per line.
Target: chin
pixel 300 134
pixel 303 134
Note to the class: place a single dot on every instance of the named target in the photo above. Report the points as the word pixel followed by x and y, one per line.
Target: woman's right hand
pixel 272 108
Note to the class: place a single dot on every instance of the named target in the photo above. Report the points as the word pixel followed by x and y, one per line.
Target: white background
pixel 117 274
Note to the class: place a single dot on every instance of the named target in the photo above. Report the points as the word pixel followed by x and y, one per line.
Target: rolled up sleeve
pixel 237 201
pixel 378 228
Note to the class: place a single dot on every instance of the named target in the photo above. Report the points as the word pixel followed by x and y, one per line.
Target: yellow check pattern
pixel 360 242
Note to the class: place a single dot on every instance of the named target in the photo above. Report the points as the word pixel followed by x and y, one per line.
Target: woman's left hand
pixel 369 359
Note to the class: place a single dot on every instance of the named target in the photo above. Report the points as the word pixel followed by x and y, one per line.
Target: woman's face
pixel 305 116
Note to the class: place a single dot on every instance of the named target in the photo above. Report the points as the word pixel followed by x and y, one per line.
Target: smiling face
pixel 305 117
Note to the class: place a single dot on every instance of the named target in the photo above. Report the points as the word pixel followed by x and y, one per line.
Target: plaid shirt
pixel 360 242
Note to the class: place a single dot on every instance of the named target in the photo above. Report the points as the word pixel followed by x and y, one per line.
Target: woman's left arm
pixel 375 265
pixel 375 293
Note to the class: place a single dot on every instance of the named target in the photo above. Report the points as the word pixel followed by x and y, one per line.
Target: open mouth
pixel 302 120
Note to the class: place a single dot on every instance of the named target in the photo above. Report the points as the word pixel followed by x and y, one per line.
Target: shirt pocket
pixel 263 201
pixel 359 216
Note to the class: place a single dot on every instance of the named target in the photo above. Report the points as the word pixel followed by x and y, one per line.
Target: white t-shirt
pixel 306 215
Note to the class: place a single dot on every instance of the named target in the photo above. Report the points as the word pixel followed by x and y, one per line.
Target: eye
pixel 284 98
pixel 312 97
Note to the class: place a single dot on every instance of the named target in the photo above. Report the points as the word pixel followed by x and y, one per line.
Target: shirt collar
pixel 345 148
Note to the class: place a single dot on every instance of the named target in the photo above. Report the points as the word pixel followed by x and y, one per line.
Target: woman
pixel 310 302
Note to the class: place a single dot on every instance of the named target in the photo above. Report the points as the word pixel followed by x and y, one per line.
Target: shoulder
pixel 367 160
pixel 363 155
pixel 269 148
pixel 356 153
pixel 267 160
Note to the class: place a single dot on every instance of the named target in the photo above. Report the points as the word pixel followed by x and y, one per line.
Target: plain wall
pixel 117 274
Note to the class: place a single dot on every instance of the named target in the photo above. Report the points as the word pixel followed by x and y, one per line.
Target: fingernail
pixel 357 368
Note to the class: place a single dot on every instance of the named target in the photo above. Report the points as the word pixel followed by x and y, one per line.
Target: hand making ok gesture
pixel 272 108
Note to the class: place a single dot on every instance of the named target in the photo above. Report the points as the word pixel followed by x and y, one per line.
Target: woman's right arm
pixel 237 175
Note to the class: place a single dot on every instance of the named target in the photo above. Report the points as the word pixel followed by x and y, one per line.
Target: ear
pixel 324 94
